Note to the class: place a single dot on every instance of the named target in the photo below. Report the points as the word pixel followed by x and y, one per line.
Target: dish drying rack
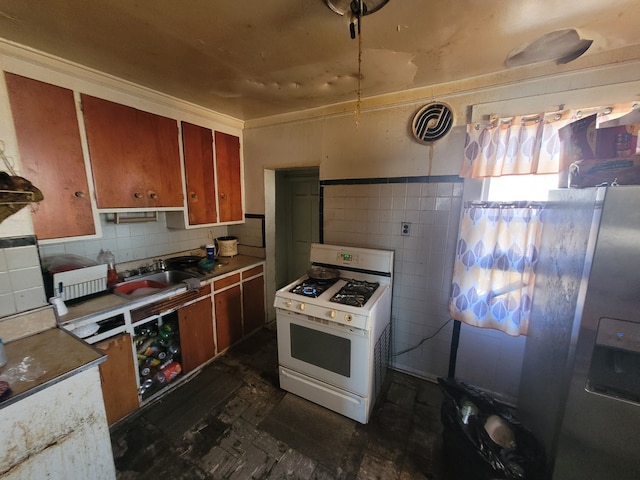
pixel 22 193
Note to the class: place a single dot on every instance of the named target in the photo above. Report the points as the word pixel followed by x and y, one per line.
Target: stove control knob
pixel 302 306
pixel 332 314
pixel 288 303
pixel 348 317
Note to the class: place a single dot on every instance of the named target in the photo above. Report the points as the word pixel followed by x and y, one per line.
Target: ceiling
pixel 250 59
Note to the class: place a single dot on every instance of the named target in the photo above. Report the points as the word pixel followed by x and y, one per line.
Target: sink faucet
pixel 160 265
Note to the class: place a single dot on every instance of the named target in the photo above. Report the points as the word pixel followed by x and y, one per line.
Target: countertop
pixel 50 356
pixel 108 304
pixel 54 354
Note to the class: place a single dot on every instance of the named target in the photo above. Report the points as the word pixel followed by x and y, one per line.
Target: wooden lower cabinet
pixel 196 334
pixel 118 377
pixel 253 304
pixel 239 305
pixel 228 308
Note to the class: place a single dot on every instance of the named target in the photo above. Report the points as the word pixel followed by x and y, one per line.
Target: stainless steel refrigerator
pixel 580 382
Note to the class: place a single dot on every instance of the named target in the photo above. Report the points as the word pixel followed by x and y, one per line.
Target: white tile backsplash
pixel 3 261
pixel 21 257
pixel 30 298
pixel 5 283
pixel 26 278
pixel 7 304
pixel 136 242
pixel 249 233
pixel 21 285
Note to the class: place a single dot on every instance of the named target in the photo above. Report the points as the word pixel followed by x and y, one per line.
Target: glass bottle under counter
pixel 158 350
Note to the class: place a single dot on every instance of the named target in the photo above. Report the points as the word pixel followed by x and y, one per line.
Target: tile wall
pixel 250 233
pixel 370 214
pixel 21 286
pixel 131 242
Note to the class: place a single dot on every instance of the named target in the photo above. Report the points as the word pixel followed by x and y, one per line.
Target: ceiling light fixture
pixel 356 9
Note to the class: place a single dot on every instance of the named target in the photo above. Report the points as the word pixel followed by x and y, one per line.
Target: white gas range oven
pixel 334 333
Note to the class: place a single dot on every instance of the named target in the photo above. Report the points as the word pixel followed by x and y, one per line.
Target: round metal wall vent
pixel 432 122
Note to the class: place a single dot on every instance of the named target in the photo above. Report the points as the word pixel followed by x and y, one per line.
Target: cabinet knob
pixel 194 195
pixel 223 196
pixel 153 195
pixel 79 194
pixel 137 195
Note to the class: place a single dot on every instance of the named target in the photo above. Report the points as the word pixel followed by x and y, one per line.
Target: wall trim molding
pixel 11 242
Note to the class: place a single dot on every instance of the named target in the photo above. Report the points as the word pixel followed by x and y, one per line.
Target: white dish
pixel 86 330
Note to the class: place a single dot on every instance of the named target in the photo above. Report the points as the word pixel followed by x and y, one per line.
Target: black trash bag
pixel 470 451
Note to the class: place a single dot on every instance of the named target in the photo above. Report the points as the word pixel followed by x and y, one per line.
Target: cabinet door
pixel 46 125
pixel 134 155
pixel 119 387
pixel 228 317
pixel 229 179
pixel 200 176
pixel 196 334
pixel 253 304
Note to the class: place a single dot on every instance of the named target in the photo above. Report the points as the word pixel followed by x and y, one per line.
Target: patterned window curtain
pixel 508 146
pixel 494 270
pixel 525 145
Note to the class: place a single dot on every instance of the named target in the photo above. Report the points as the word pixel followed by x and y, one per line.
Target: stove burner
pixel 355 293
pixel 352 300
pixel 360 287
pixel 312 287
pixel 310 291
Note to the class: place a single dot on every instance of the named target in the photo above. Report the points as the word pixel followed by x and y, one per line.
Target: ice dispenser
pixel 615 363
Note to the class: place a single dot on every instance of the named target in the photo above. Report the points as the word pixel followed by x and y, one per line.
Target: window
pixel 519 187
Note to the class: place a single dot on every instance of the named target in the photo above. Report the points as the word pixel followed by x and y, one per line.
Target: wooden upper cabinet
pixel 227 148
pixel 134 155
pixel 197 143
pixel 46 125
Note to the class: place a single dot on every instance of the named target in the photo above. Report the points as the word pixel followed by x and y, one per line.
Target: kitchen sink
pixel 150 283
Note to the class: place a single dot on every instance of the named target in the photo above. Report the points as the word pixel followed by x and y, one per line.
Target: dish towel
pixel 192 283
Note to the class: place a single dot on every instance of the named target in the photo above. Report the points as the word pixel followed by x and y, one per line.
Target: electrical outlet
pixel 406 228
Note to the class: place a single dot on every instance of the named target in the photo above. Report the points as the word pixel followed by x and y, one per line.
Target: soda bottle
pixel 112 275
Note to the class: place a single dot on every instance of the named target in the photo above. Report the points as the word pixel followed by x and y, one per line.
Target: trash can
pixel 483 440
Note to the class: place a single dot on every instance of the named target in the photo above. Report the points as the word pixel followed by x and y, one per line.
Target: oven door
pixel 326 351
